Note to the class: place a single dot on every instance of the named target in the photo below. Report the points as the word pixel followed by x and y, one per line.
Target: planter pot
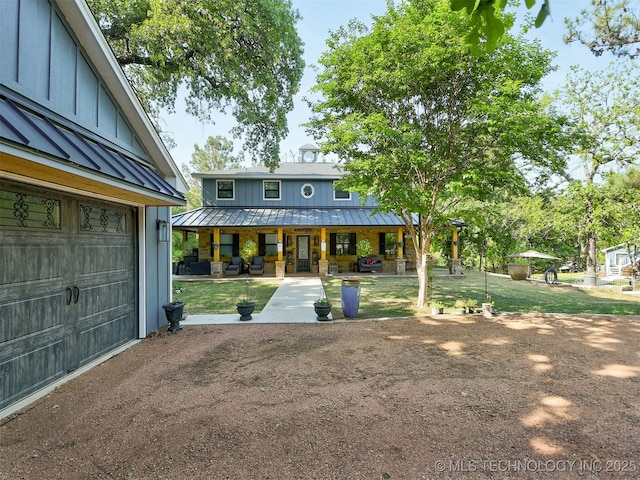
pixel 350 296
pixel 322 312
pixel 487 310
pixel 590 280
pixel 173 311
pixel 245 310
pixel 518 271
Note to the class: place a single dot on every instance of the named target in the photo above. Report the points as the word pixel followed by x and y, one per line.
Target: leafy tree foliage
pixel 246 56
pixel 216 154
pixel 610 25
pixel 487 23
pixel 606 108
pixel 423 124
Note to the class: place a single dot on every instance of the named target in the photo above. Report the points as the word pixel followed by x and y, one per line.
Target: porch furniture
pixel 257 266
pixel 370 264
pixel 200 268
pixel 234 266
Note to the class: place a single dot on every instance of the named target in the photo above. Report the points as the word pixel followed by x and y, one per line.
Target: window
pixel 268 244
pixel 229 244
pixel 271 189
pixel 307 190
pixel 224 189
pixel 342 244
pixel 339 194
pixel 388 244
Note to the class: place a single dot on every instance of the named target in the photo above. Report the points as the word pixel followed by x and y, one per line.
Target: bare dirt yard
pixel 450 397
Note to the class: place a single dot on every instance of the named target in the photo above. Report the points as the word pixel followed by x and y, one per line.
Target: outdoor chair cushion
pixel 234 267
pixel 257 266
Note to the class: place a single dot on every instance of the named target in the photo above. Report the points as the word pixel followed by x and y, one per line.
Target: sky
pixel 319 17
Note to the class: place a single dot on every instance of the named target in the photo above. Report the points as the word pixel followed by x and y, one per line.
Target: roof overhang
pixel 210 217
pixel 36 146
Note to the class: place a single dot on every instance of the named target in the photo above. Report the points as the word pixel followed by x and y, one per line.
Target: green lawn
pixel 221 296
pixel 396 296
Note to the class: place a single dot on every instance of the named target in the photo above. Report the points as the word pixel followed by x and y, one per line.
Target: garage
pixel 67 284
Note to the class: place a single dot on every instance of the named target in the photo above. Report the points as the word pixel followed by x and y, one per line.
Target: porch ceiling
pixel 204 217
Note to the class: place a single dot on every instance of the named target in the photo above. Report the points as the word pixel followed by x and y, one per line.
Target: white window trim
pixel 313 190
pixel 264 190
pixel 233 197
pixel 340 199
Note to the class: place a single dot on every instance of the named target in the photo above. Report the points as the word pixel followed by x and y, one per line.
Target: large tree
pixel 246 56
pixel 423 124
pixel 608 26
pixel 606 108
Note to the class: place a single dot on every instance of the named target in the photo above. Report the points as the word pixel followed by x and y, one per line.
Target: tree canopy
pixel 244 56
pixel 423 124
pixel 609 25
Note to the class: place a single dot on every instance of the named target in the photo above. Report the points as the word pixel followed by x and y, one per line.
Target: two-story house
pixel 300 220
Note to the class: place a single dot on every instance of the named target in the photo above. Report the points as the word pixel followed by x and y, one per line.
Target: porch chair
pixel 234 266
pixel 257 266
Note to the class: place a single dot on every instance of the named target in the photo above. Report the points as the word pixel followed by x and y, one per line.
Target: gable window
pixel 271 189
pixel 339 194
pixel 342 244
pixel 307 190
pixel 225 189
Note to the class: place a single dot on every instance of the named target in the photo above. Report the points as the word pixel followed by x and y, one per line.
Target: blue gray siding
pixel 42 61
pixel 249 193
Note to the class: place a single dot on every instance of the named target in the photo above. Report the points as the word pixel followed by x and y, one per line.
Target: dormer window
pixel 307 190
pixel 225 189
pixel 271 189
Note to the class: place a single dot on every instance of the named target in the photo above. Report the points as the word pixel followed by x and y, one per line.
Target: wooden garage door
pixel 67 285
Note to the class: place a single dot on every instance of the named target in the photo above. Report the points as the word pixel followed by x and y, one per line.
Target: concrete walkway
pixel 292 302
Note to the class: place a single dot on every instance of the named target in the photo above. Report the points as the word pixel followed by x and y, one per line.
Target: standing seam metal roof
pixel 271 217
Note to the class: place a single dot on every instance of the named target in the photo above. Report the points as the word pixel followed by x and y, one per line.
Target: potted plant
pixel 364 248
pixel 437 308
pixel 322 307
pixel 471 305
pixel 461 306
pixel 248 251
pixel 245 306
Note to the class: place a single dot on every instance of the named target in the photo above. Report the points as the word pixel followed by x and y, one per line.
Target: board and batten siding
pixel 250 193
pixel 41 60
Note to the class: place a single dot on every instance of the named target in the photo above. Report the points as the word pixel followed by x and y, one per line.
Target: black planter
pixel 173 311
pixel 245 310
pixel 322 312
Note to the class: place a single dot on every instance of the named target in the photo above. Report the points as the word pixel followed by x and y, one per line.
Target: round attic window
pixel 307 190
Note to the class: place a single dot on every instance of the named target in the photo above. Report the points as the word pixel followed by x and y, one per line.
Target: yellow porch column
pixel 400 243
pixel 216 241
pixel 454 244
pixel 323 241
pixel 281 244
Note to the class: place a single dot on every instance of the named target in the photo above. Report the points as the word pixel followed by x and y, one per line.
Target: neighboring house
pixel 297 216
pixel 620 256
pixel 86 187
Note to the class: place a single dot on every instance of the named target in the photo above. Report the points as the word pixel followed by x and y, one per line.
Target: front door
pixel 303 254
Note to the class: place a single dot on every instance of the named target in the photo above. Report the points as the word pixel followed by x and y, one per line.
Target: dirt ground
pixel 453 396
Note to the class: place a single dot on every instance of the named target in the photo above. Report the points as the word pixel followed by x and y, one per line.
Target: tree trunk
pixel 592 253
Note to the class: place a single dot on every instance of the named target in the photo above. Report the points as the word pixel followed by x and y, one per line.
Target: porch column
pixel 400 243
pixel 323 242
pixel 455 264
pixel 216 264
pixel 280 262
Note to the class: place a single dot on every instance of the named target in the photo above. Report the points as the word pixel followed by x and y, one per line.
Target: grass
pixel 221 296
pixel 396 296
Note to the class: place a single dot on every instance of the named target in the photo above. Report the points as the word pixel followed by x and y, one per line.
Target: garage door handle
pixel 76 294
pixel 69 294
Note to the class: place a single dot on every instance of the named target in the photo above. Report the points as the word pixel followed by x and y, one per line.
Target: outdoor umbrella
pixel 533 254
